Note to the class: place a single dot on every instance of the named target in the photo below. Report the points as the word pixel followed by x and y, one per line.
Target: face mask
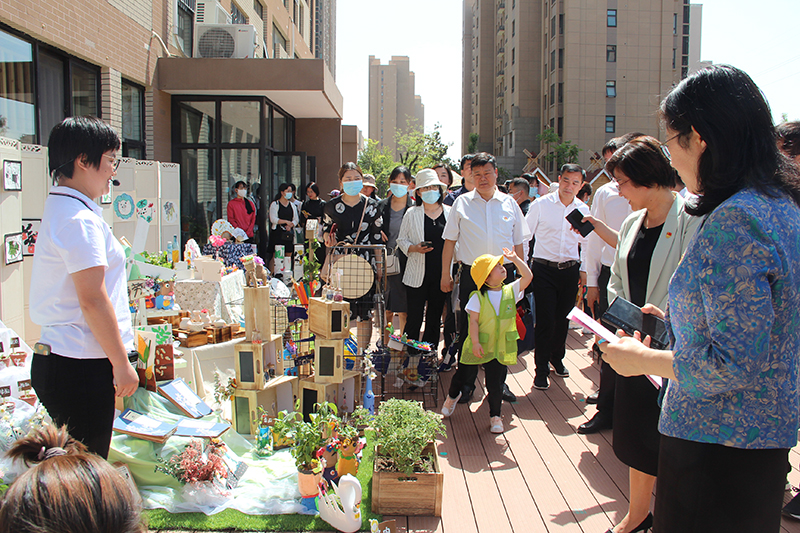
pixel 398 189
pixel 431 197
pixel 289 195
pixel 352 188
pixel 241 192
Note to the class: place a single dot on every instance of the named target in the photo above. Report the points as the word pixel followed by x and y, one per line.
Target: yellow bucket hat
pixel 482 266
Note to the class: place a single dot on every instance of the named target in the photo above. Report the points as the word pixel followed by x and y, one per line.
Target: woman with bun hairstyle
pixel 66 490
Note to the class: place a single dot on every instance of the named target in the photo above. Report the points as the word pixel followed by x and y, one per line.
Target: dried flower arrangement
pixel 195 464
pixel 222 392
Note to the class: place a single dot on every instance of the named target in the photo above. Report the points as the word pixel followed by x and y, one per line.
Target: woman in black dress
pixel 340 224
pixel 313 209
pixel 283 217
pixel 650 244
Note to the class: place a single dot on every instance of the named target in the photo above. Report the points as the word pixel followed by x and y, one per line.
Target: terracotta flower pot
pixel 308 483
pixel 18 358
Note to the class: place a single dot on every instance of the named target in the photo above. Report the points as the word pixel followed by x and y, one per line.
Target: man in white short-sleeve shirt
pixel 482 221
pixel 79 292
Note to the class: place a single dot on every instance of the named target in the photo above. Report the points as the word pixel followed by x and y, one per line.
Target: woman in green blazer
pixel 650 245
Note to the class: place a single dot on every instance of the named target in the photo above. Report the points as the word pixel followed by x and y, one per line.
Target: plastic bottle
pixel 176 250
pixel 170 252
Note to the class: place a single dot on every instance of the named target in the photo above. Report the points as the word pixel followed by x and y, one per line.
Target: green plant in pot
pixel 407 479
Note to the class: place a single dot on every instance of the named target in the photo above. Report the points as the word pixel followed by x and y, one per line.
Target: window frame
pixel 127 144
pixel 611 124
pixel 611 18
pixel 611 53
pixel 611 88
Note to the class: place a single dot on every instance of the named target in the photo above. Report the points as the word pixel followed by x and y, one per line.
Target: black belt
pixel 561 266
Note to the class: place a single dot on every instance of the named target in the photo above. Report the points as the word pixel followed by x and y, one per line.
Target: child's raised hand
pixel 509 254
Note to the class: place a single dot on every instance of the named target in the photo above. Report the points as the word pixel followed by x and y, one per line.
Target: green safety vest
pixel 497 333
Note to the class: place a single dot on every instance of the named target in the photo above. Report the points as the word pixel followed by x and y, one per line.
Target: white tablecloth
pixel 222 298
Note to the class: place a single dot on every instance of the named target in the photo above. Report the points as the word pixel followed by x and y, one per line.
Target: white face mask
pixel 241 192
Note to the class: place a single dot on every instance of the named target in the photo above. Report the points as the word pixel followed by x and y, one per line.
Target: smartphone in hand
pixel 576 219
pixel 628 317
pixel 426 244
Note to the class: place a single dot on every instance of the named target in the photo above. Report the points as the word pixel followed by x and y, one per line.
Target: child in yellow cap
pixel 492 339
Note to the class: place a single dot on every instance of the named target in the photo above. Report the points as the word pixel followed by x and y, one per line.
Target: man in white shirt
pixel 556 270
pixel 481 221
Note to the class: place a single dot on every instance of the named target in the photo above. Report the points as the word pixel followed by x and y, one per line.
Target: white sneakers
pixel 497 424
pixel 450 405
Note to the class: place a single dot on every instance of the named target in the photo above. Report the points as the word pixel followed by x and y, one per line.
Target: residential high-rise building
pixel 325 33
pixel 589 72
pixel 393 106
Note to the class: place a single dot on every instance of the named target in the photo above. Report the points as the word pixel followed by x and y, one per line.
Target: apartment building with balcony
pixel 589 72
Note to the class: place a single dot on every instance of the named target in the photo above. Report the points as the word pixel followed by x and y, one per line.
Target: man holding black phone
pixel 556 270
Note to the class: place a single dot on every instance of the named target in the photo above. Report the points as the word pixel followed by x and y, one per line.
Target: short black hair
pixel 618 142
pixel 530 178
pixel 466 159
pixel 586 189
pixel 282 187
pixel 74 137
pixel 240 184
pixel 313 186
pixel 642 161
pixel 521 183
pixel 483 158
pixel 400 170
pixel 572 167
pixel 789 138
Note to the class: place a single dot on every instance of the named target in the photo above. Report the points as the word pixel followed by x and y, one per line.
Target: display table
pixel 221 298
pixel 230 253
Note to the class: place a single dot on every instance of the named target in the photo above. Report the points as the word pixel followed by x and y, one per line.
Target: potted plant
pixel 407 479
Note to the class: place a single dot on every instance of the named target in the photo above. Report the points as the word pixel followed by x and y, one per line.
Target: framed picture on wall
pixel 13 248
pixel 105 199
pixel 30 231
pixel 12 175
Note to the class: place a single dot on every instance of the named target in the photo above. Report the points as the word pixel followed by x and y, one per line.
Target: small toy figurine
pixel 165 298
pixel 254 273
pixel 348 456
pixel 329 457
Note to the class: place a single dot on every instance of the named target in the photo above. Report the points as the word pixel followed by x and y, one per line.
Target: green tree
pixel 472 147
pixel 378 162
pixel 418 150
pixel 560 152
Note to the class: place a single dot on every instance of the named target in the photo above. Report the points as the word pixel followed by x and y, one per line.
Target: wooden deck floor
pixel 540 475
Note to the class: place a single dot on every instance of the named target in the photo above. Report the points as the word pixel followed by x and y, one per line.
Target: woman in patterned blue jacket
pixel 732 407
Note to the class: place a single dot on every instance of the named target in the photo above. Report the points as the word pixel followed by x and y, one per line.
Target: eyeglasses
pixel 620 182
pixel 665 150
pixel 115 160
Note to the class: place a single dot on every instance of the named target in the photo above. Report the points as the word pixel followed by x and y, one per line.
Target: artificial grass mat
pixel 232 520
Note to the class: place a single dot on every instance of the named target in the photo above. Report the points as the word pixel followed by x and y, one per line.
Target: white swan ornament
pixel 341 505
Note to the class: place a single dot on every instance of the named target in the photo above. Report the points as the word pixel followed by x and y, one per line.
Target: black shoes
pixel 793 508
pixel 646 525
pixel 592 398
pixel 598 422
pixel 508 396
pixel 541 383
pixel 560 370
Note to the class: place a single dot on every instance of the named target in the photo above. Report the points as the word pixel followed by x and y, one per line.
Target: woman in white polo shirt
pixel 79 289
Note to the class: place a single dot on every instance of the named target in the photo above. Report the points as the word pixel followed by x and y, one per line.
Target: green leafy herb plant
pixel 404 429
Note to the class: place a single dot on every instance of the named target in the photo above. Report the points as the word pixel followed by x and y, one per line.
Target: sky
pixel 758 38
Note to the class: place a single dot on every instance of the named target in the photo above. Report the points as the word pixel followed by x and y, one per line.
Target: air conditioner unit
pixel 210 12
pixel 224 40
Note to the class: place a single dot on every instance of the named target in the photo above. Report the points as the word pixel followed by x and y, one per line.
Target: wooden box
pixel 328 360
pixel 330 320
pixel 254 361
pixel 312 392
pixel 279 395
pixel 257 312
pixel 394 493
pixel 217 335
pixel 191 339
pixel 349 394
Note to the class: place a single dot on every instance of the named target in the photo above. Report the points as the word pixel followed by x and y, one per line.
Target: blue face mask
pixel 431 197
pixel 398 189
pixel 352 188
pixel 289 195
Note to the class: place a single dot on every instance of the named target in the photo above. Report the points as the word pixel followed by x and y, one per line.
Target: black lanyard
pixel 75 197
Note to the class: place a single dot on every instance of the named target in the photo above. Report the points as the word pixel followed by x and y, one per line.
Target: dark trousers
pixel 495 378
pixel 78 393
pixel 709 487
pixel 608 376
pixel 554 291
pixel 430 291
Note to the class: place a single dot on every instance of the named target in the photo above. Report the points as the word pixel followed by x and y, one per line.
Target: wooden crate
pixel 394 493
pixel 257 311
pixel 328 360
pixel 312 391
pixel 191 339
pixel 349 394
pixel 253 362
pixel 330 320
pixel 279 395
pixel 217 335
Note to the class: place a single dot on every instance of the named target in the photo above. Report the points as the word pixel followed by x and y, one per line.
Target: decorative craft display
pixel 179 393
pixel 341 505
pixel 13 248
pixel 145 210
pixel 169 212
pixel 12 174
pixel 141 426
pixel 124 206
pixel 106 198
pixel 328 360
pixel 30 231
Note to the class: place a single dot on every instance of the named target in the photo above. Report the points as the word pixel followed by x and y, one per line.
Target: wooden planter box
pixel 394 493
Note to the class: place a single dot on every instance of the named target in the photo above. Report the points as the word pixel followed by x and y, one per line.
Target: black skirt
pixel 708 488
pixel 636 413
